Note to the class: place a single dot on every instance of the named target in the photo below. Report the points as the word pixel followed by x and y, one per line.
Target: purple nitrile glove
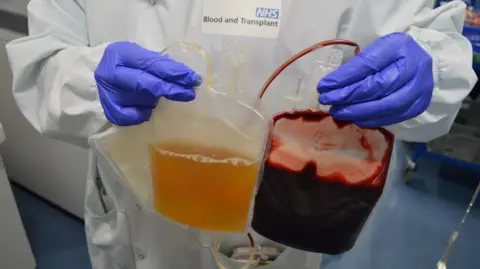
pixel 131 79
pixel 389 82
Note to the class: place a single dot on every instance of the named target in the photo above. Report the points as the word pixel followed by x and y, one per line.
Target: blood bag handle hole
pixel 302 53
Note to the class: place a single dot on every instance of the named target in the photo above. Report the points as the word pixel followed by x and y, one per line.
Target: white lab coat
pixel 55 89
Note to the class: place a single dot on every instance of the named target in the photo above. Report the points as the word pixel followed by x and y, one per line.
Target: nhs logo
pixel 268 13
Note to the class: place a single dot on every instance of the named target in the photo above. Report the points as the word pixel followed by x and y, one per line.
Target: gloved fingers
pixel 135 82
pixel 178 93
pixel 395 103
pixel 175 72
pixel 373 87
pixel 161 66
pixel 417 108
pixel 133 116
pixel 134 56
pixel 126 97
pixel 371 60
pixel 125 116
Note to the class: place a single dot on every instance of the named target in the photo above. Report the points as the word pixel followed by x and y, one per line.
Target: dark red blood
pixel 340 124
pixel 366 145
pixel 314 138
pixel 338 167
pixel 311 201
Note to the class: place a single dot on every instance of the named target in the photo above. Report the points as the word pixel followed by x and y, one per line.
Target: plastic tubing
pixel 303 53
pixel 216 253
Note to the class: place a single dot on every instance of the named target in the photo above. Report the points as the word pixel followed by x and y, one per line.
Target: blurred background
pixel 48 182
pixel 44 168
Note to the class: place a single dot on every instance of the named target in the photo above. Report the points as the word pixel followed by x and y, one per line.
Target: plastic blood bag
pixel 321 179
pixel 206 154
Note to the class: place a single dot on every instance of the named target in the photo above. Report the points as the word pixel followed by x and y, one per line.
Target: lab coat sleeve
pixel 53 82
pixel 438 31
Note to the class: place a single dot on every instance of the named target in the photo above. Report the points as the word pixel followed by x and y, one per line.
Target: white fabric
pixel 53 67
pixel 55 89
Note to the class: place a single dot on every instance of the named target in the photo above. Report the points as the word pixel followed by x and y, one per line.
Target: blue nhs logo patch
pixel 268 13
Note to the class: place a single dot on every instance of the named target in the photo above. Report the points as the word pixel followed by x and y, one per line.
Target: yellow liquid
pixel 206 188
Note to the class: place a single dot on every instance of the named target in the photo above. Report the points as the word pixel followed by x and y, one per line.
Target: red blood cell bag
pixel 321 179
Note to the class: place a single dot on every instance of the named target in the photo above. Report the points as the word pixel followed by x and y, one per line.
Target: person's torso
pixel 156 24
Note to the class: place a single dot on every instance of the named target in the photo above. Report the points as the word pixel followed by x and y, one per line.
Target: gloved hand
pixel 389 82
pixel 131 79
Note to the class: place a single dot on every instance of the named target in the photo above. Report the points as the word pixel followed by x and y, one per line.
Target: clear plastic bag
pixel 206 155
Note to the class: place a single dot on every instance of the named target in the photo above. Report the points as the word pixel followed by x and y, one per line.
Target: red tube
pixel 250 239
pixel 303 53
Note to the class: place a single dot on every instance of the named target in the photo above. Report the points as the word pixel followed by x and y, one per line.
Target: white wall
pixel 52 169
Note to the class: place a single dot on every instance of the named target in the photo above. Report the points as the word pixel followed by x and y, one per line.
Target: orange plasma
pixel 203 187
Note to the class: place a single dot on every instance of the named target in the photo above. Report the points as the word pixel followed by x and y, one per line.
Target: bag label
pixel 251 18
